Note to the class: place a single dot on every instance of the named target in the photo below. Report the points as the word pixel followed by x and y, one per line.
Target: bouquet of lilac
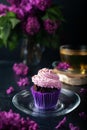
pixel 38 20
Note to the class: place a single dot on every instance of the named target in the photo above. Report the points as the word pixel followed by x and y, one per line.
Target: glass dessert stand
pixel 68 101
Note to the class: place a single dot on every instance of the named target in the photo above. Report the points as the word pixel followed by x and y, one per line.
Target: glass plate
pixel 68 101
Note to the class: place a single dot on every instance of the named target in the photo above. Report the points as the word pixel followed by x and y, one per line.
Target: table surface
pixel 7 79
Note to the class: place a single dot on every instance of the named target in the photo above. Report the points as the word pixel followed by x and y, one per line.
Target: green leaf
pixel 3 21
pixel 5 29
pixel 52 17
pixel 45 16
pixel 10 14
pixel 14 22
pixel 7 23
pixel 55 13
pixel 6 32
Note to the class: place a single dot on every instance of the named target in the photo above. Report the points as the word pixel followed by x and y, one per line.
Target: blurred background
pixel 74 27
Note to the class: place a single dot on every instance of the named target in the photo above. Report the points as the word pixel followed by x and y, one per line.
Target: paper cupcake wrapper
pixel 45 100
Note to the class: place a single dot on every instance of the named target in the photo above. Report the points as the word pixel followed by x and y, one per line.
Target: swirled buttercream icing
pixel 46 78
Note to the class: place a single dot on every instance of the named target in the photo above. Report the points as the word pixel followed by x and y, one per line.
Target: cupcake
pixel 46 89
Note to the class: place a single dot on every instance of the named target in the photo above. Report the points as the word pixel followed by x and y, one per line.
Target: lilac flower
pixel 20 69
pixel 13 121
pixel 83 115
pixel 25 2
pixel 51 26
pixel 3 9
pixel 72 127
pixel 83 91
pixel 21 10
pixel 32 26
pixel 43 4
pixel 12 8
pixel 18 11
pixel 61 123
pixel 33 2
pixel 10 90
pixel 10 1
pixel 23 82
pixel 63 65
pixel 15 2
pixel 27 8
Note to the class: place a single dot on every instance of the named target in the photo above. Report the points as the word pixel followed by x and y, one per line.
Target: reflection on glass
pixel 76 56
pixel 68 101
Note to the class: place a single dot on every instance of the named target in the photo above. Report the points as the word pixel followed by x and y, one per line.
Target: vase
pixel 31 52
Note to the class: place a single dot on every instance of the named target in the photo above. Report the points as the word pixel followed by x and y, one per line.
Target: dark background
pixel 73 33
pixel 74 27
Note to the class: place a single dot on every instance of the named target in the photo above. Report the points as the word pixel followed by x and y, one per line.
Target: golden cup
pixel 75 56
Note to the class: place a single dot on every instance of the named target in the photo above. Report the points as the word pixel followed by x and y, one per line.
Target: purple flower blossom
pixel 83 91
pixel 20 69
pixel 42 4
pixel 27 8
pixel 25 2
pixel 33 2
pixel 12 8
pixel 10 90
pixel 51 26
pixel 83 115
pixel 13 121
pixel 20 13
pixel 63 66
pixel 23 82
pixel 72 127
pixel 3 9
pixel 61 123
pixel 32 26
pixel 15 2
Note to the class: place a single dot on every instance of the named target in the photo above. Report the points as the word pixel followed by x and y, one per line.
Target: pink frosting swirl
pixel 46 78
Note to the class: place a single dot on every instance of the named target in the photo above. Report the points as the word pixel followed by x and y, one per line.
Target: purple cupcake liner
pixel 45 100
